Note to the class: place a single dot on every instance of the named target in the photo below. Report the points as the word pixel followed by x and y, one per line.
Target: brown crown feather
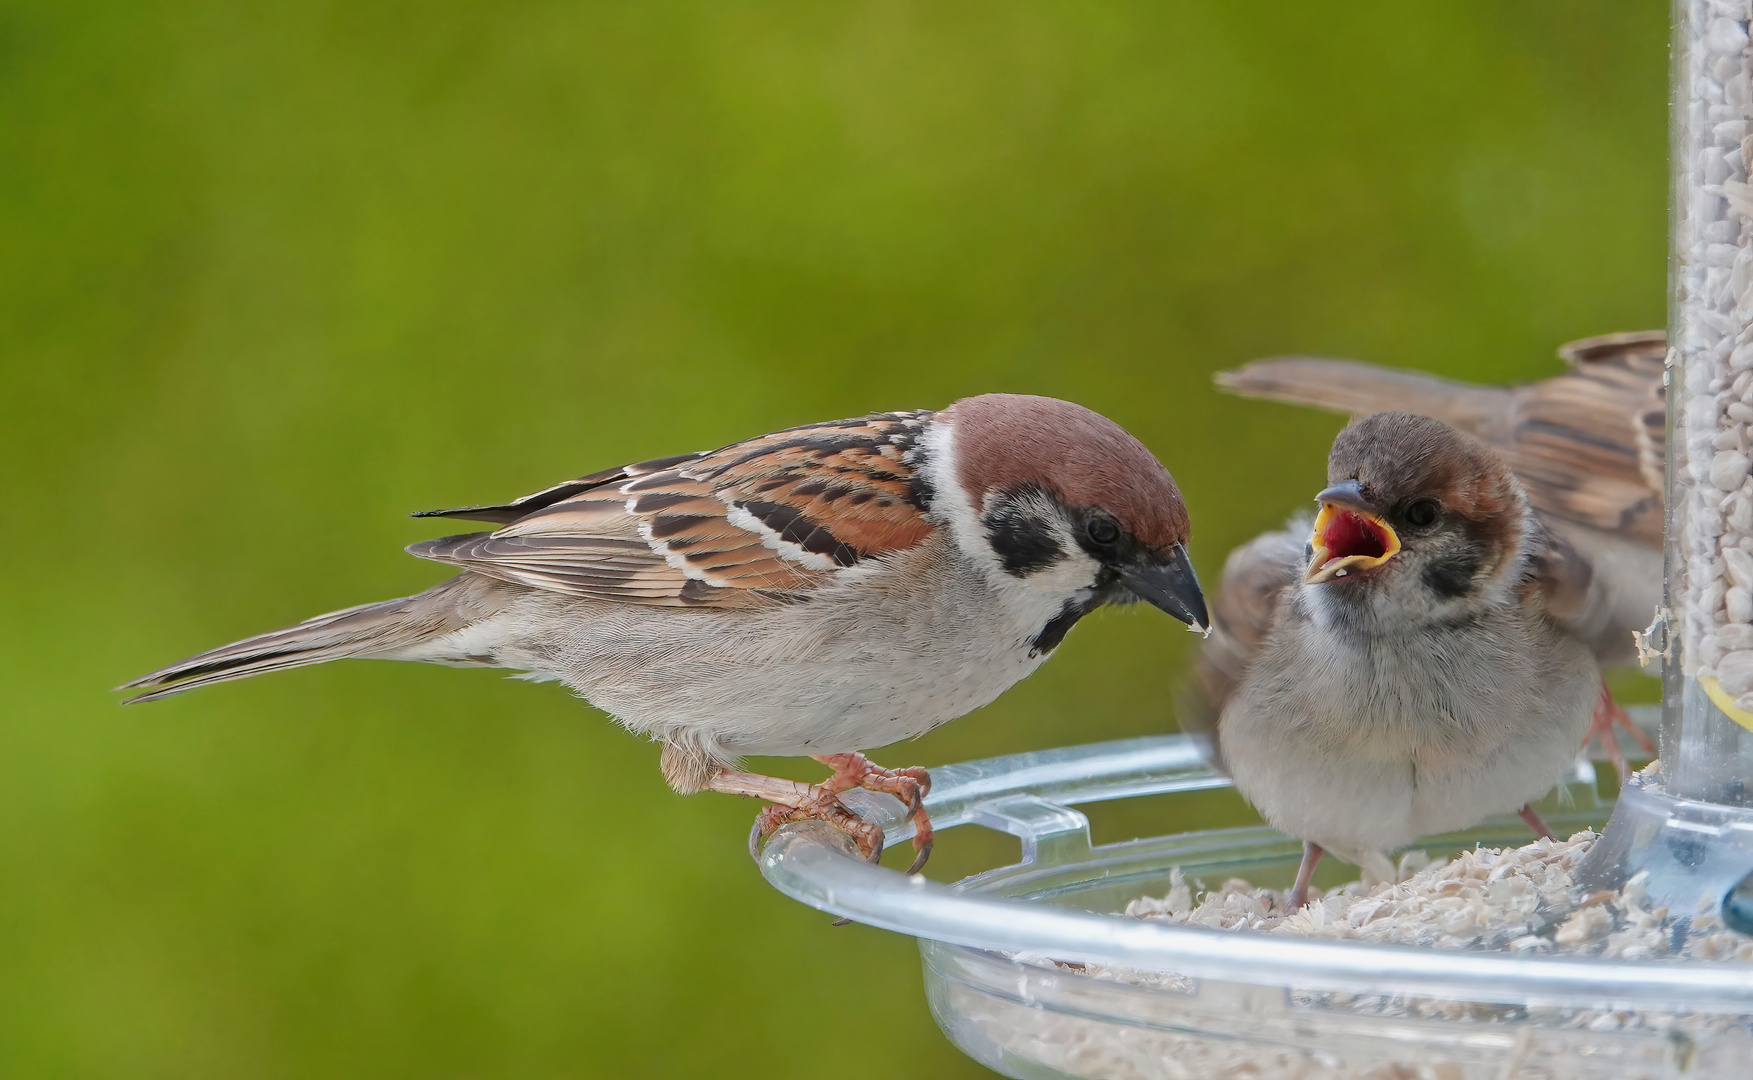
pixel 1397 455
pixel 1080 457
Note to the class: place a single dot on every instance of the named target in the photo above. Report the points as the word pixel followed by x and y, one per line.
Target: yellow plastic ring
pixel 1721 699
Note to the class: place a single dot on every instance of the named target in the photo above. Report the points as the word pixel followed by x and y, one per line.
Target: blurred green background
pixel 275 274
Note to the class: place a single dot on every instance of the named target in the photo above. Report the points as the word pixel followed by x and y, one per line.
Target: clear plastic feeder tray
pixel 1239 1004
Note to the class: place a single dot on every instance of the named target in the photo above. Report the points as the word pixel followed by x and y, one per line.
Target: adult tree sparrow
pixel 1588 446
pixel 1401 675
pixel 821 590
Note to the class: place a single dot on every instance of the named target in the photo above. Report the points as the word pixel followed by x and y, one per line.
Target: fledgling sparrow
pixel 1400 675
pixel 818 591
pixel 1588 445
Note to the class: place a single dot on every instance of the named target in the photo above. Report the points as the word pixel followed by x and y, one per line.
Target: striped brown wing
pixel 1588 443
pixel 1638 361
pixel 758 522
pixel 505 513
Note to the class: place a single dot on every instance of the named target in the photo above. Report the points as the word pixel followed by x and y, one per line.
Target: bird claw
pixel 824 807
pixel 910 785
pixel 792 801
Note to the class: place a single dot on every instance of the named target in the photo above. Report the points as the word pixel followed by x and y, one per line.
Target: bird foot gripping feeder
pixel 1029 969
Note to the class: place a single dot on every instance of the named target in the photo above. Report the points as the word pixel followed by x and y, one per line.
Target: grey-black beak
pixel 1346 494
pixel 1171 586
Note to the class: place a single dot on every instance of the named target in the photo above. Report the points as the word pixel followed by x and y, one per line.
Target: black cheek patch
pixel 1452 575
pixel 1023 543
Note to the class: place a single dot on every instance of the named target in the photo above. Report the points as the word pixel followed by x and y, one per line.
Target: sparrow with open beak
pixel 1588 446
pixel 818 591
pixel 1401 674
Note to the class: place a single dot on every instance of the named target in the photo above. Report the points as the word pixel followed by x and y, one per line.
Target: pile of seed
pixel 1714 337
pixel 1518 900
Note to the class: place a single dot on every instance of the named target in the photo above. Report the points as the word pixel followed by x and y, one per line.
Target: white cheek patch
pixel 1074 575
pixel 949 501
pixel 1071 577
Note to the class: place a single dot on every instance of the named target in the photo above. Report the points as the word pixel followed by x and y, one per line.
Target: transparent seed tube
pixel 1707 752
pixel 1689 831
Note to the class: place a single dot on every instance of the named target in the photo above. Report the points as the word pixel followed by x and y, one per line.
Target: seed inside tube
pixel 1714 338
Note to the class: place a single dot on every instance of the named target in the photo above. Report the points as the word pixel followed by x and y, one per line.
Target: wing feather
pixel 1588 443
pixel 762 521
pixel 1582 441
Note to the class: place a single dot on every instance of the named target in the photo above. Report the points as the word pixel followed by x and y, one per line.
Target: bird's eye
pixel 1102 531
pixel 1422 512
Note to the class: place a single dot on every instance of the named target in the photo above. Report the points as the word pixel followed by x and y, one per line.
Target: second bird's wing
pixel 1586 443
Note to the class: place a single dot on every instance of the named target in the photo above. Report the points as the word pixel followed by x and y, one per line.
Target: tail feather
pixel 369 630
pixel 1346 386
